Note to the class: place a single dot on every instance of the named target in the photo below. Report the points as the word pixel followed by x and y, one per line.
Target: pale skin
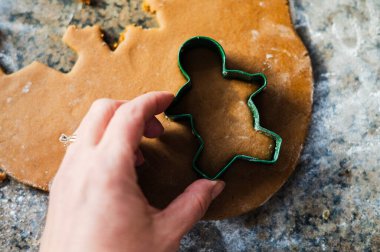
pixel 95 202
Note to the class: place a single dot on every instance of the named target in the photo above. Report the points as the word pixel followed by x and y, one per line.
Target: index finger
pixel 127 126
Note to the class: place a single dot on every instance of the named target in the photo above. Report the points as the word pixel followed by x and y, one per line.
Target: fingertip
pixel 154 103
pixel 167 93
pixel 166 98
pixel 191 206
pixel 153 128
pixel 213 187
pixel 218 188
pixel 162 94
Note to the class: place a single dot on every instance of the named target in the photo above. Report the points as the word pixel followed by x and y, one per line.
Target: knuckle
pixel 102 102
pixel 102 105
pixel 131 113
pixel 134 111
pixel 113 178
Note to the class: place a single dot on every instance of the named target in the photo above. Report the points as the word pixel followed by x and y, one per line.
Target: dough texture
pixel 38 104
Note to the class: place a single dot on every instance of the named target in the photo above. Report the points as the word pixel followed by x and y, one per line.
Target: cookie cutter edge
pixel 202 41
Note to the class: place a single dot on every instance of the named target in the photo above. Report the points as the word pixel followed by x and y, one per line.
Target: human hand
pixel 95 201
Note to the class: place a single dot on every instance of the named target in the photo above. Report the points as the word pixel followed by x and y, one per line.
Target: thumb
pixel 189 207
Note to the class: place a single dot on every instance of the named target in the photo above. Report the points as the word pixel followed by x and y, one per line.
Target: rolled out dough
pixel 37 103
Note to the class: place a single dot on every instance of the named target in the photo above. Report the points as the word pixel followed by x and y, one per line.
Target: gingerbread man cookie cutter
pixel 206 42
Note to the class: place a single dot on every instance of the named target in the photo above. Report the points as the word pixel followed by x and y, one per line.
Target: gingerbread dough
pixel 39 103
pixel 220 111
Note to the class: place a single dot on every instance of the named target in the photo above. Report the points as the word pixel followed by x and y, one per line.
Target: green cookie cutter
pixel 200 41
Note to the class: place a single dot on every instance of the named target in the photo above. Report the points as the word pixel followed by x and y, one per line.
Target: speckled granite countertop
pixel 331 202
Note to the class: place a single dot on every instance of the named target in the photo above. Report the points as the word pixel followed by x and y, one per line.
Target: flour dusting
pixel 27 87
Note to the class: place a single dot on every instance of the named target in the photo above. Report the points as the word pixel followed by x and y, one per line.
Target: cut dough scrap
pixel 37 103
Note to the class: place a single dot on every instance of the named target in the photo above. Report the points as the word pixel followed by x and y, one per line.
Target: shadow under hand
pixel 224 121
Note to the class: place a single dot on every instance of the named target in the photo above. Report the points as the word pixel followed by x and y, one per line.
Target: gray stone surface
pixel 331 202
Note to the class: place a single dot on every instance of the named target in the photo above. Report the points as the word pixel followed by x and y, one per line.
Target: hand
pixel 95 201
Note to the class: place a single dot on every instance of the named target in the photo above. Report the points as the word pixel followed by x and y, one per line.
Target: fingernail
pixel 218 188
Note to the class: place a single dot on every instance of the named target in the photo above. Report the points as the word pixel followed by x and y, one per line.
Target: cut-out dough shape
pixel 207 44
pixel 38 104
